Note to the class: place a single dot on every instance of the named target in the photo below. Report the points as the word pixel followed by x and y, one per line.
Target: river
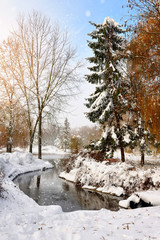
pixel 46 188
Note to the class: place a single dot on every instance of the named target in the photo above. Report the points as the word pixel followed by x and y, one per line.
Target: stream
pixel 46 188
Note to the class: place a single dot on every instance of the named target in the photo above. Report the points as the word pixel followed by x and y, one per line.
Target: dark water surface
pixel 46 188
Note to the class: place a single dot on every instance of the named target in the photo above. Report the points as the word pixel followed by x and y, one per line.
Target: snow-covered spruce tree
pixel 108 104
pixel 66 135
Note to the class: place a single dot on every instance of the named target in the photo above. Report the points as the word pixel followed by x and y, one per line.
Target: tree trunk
pixel 31 137
pixel 38 181
pixel 9 147
pixel 120 138
pixel 40 136
pixel 32 134
pixel 10 128
pixel 142 158
pixel 122 152
pixel 31 146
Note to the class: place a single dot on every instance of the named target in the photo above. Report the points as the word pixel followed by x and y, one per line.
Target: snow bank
pixel 126 203
pixel 13 164
pixel 149 197
pixel 119 179
pixel 152 197
pixel 71 176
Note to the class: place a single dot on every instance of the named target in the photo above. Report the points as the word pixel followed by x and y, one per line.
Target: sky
pixel 73 16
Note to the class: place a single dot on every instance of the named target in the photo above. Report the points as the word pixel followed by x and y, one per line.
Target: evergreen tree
pixel 109 103
pixel 66 135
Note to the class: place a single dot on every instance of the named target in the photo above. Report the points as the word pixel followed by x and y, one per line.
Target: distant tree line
pixel 70 139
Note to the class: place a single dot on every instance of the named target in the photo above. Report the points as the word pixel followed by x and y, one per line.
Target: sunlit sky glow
pixel 73 15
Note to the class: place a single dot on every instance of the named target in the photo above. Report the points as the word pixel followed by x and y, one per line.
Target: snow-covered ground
pixel 45 150
pixel 22 219
pixel 49 149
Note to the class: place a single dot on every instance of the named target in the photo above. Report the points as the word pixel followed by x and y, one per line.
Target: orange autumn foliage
pixel 144 50
pixel 20 130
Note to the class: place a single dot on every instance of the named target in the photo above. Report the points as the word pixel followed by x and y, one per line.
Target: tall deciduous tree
pixel 108 104
pixel 45 68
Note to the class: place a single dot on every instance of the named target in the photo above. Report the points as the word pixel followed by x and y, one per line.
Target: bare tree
pixel 46 66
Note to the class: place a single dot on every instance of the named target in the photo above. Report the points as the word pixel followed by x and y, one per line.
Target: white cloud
pixel 88 13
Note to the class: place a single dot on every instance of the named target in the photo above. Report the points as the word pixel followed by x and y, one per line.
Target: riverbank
pixel 14 164
pixel 22 218
pixel 113 178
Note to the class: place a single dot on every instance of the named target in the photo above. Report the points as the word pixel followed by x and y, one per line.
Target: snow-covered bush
pixel 115 178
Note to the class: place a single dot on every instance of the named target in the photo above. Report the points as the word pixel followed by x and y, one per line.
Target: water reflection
pixel 49 189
